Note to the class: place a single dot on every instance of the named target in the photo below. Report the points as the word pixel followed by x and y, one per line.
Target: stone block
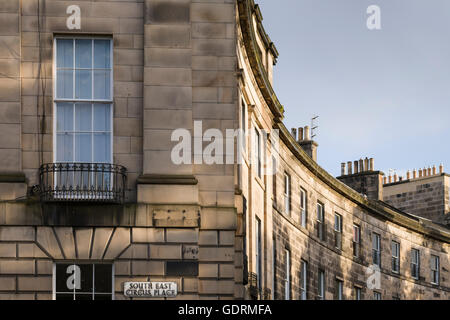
pixel 44 267
pixel 148 268
pixel 147 235
pixel 209 254
pixel 30 250
pixel 182 235
pixel 210 270
pixel 34 283
pixel 17 233
pixel 173 36
pixel 17 267
pixel 162 97
pixel 226 238
pixel 165 252
pixel 120 240
pixel 7 283
pixel 208 238
pixel 7 250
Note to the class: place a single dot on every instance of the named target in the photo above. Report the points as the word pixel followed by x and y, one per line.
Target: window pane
pixel 102 117
pixel 64 53
pixel 65 117
pixel 83 84
pixel 83 117
pixel 83 53
pixel 102 54
pixel 102 84
pixel 102 147
pixel 64 147
pixel 83 146
pixel 62 276
pixel 103 279
pixel 64 84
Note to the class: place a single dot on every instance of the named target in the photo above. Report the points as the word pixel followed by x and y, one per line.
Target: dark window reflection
pixel 83 281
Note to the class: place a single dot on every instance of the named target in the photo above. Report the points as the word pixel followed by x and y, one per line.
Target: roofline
pixel 377 208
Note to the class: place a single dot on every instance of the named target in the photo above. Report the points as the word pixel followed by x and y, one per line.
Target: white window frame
pixel 287 193
pixel 376 249
pixel 376 295
pixel 303 207
pixel 320 221
pixel 415 263
pixel 356 240
pixel 258 154
pixel 339 289
pixel 75 100
pixel 338 230
pixel 244 124
pixel 287 284
pixel 258 252
pixel 357 293
pixel 321 285
pixel 435 265
pixel 395 256
pixel 304 280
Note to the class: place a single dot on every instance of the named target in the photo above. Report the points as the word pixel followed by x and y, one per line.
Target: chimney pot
pixel 408 175
pixel 429 172
pixel 343 169
pixel 434 170
pixel 307 134
pixel 372 164
pixel 294 133
pixel 441 168
pixel 300 134
pixel 420 173
pixel 384 180
pixel 361 165
pixel 395 177
pixel 366 164
pixel 356 166
pixel 414 174
pixel 349 167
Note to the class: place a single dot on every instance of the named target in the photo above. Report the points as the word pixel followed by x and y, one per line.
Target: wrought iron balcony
pixel 253 285
pixel 84 182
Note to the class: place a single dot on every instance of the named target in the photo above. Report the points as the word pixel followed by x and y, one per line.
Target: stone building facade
pixel 90 95
pixel 425 194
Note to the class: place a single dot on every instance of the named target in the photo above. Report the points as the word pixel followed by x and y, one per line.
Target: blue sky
pixel 382 93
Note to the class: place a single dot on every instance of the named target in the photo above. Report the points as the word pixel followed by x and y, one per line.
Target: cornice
pixel 377 208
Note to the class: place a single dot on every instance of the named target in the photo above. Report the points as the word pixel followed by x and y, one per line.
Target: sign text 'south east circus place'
pixel 150 289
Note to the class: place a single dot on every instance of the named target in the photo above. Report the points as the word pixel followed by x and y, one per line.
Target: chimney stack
pixel 362 177
pixel 308 145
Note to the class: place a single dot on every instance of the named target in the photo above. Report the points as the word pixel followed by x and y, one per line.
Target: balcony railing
pixel 84 182
pixel 253 285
